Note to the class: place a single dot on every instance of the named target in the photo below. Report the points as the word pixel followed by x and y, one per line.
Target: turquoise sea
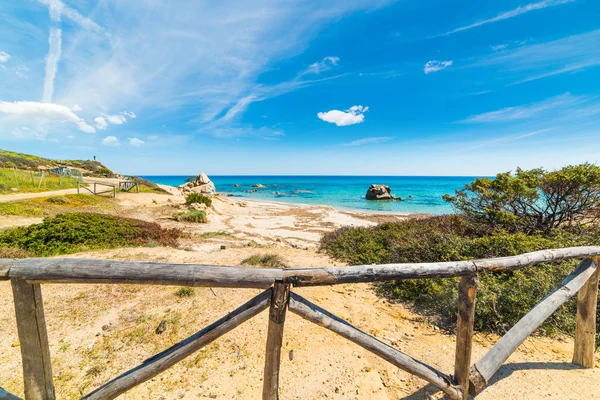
pixel 422 194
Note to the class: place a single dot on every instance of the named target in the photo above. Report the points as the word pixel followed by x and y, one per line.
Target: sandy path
pixel 23 196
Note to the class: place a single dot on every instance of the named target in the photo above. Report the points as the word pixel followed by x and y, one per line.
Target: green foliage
pixel 198 198
pixel 191 216
pixel 44 206
pixel 29 181
pixel 76 232
pixel 57 200
pixel 502 298
pixel 146 186
pixel 208 235
pixel 265 260
pixel 185 291
pixel 10 159
pixel 533 200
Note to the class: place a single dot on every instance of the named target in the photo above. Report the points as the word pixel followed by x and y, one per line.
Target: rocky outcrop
pixel 381 192
pixel 258 185
pixel 202 184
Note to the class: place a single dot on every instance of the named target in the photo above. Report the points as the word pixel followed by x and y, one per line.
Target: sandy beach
pixel 99 331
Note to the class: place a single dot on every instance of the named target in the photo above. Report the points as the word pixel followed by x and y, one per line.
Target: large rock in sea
pixel 380 192
pixel 202 184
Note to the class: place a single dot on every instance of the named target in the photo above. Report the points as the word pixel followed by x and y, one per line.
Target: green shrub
pixel 76 232
pixel 185 291
pixel 502 298
pixel 533 200
pixel 57 200
pixel 265 260
pixel 198 198
pixel 191 216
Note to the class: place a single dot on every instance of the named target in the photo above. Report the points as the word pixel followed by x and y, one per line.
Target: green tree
pixel 533 200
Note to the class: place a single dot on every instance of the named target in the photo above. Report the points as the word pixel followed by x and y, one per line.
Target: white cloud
pixel 111 141
pixel 20 70
pixel 369 140
pixel 4 57
pixel 101 123
pixel 354 115
pixel 499 47
pixel 528 111
pixel 321 66
pixel 59 9
pixel 116 119
pixel 46 112
pixel 510 14
pixel 52 59
pixel 435 66
pixel 135 142
pixel 76 108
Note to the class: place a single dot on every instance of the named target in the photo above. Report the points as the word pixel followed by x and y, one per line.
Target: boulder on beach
pixel 202 184
pixel 258 185
pixel 380 192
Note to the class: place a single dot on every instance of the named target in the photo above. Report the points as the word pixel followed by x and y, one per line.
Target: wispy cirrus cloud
pixel 321 66
pixel 435 66
pixel 527 111
pixel 542 60
pixel 354 115
pixel 369 140
pixel 4 57
pixel 510 14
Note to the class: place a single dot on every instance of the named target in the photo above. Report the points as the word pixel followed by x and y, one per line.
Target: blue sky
pixel 353 87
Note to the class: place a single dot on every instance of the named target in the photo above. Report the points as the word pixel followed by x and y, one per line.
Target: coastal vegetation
pixel 13 180
pixel 52 205
pixel 198 198
pixel 76 232
pixel 197 216
pixel 265 260
pixel 512 214
pixel 11 159
pixel 146 186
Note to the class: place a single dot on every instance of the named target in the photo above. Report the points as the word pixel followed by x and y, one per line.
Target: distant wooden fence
pixel 127 185
pixel 26 275
pixel 93 189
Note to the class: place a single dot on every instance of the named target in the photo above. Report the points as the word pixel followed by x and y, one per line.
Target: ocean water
pixel 422 194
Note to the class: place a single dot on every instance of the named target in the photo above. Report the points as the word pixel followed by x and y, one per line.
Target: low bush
pixel 76 232
pixel 13 252
pixel 198 198
pixel 191 216
pixel 185 291
pixel 146 186
pixel 57 200
pixel 265 260
pixel 502 298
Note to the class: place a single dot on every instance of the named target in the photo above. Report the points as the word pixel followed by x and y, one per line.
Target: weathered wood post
pixel 115 191
pixel 585 332
pixel 78 183
pixel 94 187
pixel 467 291
pixel 277 311
pixel 35 353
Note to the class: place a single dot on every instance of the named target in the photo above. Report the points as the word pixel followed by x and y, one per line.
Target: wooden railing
pixel 26 275
pixel 94 191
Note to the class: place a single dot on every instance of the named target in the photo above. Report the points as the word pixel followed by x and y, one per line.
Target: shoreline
pixel 224 195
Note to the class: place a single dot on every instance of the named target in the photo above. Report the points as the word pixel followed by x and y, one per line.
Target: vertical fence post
pixel 279 304
pixel 33 338
pixel 78 183
pixel 467 291
pixel 115 191
pixel 585 332
pixel 94 187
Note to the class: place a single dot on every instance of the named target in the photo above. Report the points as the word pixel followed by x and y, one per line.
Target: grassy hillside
pixel 10 159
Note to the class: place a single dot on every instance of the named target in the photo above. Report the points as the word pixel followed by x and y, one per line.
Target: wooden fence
pixel 93 189
pixel 26 275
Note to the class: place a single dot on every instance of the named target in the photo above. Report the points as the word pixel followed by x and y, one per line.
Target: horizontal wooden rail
pixel 162 361
pixel 313 313
pixel 76 270
pixel 487 366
